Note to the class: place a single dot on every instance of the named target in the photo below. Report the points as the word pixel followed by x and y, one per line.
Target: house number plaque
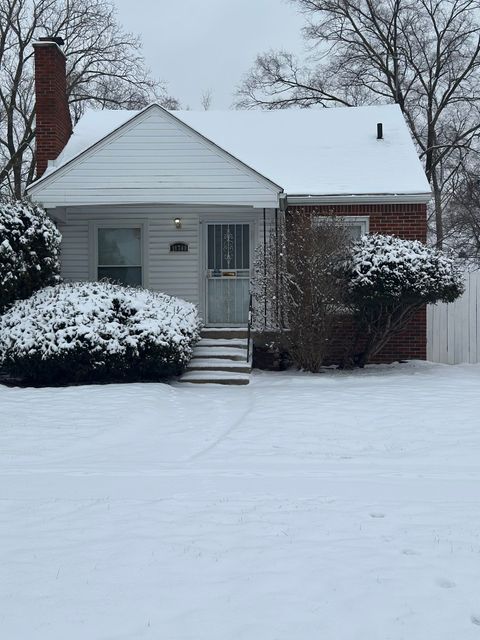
pixel 178 247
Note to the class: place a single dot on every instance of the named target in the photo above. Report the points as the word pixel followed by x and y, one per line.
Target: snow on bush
pixel 29 251
pixel 88 332
pixel 383 266
pixel 389 280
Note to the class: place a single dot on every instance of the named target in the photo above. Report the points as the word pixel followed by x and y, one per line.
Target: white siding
pixel 155 159
pixel 453 330
pixel 74 250
pixel 179 274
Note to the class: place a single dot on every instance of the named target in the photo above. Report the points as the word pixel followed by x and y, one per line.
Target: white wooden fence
pixel 453 330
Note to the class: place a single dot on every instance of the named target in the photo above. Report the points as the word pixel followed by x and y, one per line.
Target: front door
pixel 228 274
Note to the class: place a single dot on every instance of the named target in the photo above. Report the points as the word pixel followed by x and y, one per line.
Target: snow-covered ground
pixel 338 506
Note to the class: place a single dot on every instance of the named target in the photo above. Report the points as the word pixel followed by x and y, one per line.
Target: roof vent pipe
pixel 379 131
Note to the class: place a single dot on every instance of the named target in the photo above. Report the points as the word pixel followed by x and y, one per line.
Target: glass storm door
pixel 228 273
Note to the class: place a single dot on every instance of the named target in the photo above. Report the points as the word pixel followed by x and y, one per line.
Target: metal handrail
pixel 249 327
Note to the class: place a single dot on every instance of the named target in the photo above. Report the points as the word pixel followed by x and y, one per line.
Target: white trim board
pixel 355 198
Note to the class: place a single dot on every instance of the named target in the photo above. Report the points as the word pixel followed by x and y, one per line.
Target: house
pixel 178 200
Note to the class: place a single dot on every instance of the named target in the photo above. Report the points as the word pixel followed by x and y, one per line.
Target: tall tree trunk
pixel 437 203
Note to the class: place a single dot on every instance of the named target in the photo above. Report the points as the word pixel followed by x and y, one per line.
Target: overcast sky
pixel 195 45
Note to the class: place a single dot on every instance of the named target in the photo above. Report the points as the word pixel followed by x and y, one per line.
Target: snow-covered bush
pixel 389 280
pixel 29 251
pixel 90 332
pixel 390 268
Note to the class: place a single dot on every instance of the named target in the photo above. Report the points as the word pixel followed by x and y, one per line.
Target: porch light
pixel 178 223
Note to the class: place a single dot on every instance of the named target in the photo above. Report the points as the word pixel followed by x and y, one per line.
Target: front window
pixel 120 255
pixel 355 226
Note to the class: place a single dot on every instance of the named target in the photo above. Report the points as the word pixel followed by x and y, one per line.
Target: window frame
pixel 119 224
pixel 362 221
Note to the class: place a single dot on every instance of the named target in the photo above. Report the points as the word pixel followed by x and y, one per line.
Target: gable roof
pixel 152 158
pixel 304 151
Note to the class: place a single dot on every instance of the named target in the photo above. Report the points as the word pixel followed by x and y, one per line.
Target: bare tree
pixel 206 99
pixel 422 54
pixel 298 289
pixel 463 218
pixel 105 69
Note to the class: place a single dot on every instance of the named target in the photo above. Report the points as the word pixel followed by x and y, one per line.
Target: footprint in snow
pixel 410 552
pixel 377 515
pixel 445 584
pixel 475 619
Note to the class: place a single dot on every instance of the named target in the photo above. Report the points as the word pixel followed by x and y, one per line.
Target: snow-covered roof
pixel 305 151
pixel 93 126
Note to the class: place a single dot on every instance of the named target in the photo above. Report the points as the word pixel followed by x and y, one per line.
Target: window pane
pixel 354 231
pixel 246 246
pixel 237 241
pixel 211 245
pixel 217 261
pixel 122 275
pixel 119 246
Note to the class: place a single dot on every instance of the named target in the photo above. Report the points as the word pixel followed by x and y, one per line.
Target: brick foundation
pixel 410 344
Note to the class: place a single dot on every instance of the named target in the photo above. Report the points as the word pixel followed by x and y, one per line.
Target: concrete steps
pixel 215 377
pixel 219 364
pixel 229 353
pixel 240 343
pixel 220 357
pixel 225 332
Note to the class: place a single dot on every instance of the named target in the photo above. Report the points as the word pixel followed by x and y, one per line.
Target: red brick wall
pixel 408 221
pixel 53 123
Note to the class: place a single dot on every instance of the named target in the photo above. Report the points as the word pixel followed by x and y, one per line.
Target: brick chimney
pixel 53 123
